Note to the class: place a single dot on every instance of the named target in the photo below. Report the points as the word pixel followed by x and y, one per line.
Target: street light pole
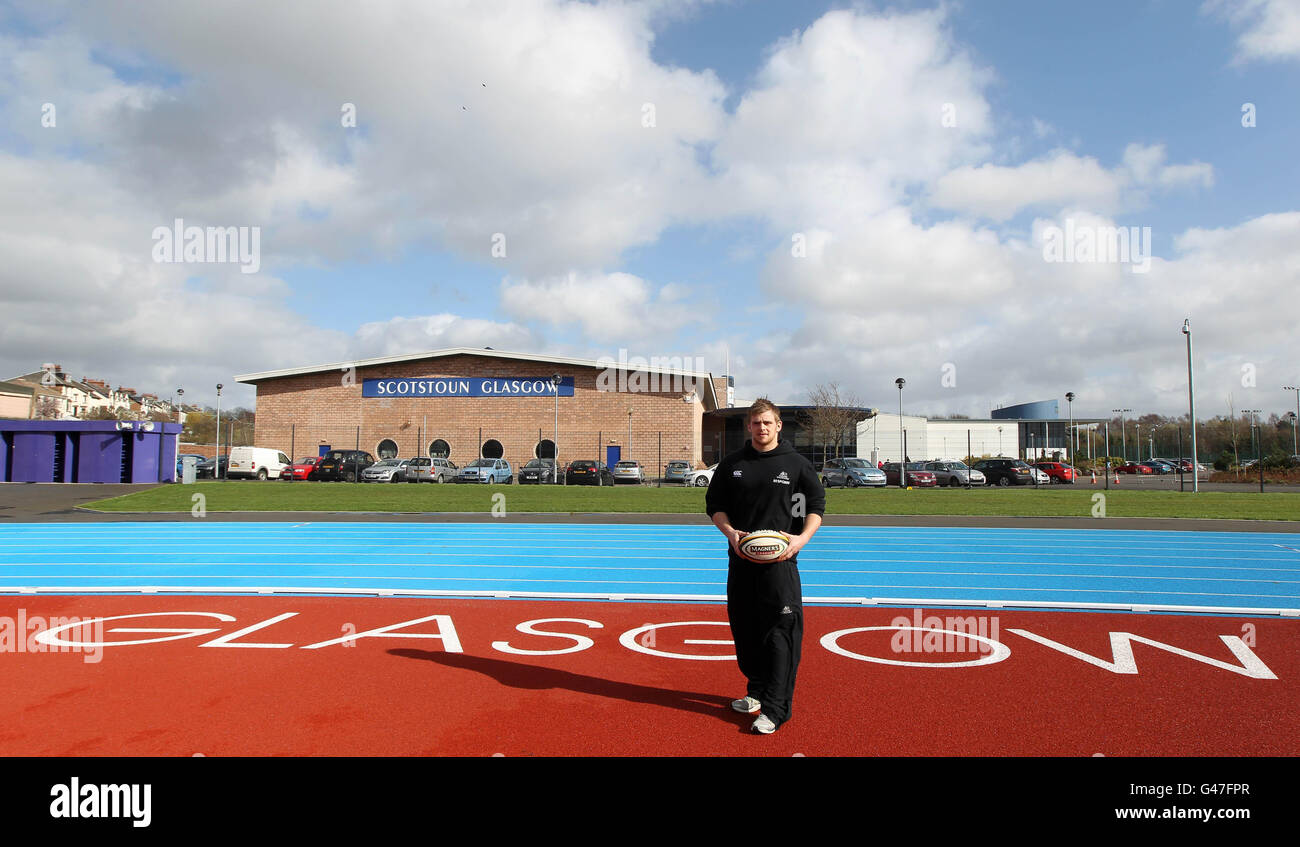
pixel 216 460
pixel 1294 451
pixel 902 461
pixel 1191 405
pixel 1069 437
pixel 1259 447
pixel 1123 433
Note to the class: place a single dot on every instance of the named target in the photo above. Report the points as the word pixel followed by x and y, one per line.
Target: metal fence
pixel 653 449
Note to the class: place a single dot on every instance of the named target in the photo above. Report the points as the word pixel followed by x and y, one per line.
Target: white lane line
pixel 809 560
pixel 651 582
pixel 619 568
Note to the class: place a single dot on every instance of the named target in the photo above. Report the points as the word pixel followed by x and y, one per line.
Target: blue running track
pixel 1205 572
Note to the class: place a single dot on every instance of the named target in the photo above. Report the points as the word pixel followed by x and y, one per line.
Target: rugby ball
pixel 764 545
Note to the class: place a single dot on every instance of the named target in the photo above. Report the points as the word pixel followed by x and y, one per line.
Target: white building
pixel 880 438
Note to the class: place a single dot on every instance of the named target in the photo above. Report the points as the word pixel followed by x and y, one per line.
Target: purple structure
pixel 88 451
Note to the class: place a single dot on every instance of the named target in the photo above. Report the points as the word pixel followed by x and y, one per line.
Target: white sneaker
pixel 764 725
pixel 746 705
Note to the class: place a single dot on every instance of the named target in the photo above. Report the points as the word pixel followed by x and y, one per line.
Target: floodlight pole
pixel 1069 436
pixel 1191 406
pixel 216 459
pixel 902 462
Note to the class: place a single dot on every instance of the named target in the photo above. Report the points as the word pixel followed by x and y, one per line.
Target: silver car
pixel 629 471
pixel 952 473
pixel 677 470
pixel 851 473
pixel 386 470
pixel 430 469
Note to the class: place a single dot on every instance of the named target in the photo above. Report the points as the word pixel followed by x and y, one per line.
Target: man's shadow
pixel 518 675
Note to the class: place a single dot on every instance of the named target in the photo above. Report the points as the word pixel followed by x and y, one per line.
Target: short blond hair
pixel 759 406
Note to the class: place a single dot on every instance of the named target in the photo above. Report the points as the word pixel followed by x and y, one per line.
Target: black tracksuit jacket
pixel 771 490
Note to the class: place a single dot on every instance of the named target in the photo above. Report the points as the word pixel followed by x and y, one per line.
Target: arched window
pixel 492 449
pixel 387 449
pixel 545 449
pixel 440 449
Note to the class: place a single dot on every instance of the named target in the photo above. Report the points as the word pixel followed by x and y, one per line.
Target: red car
pixel 1059 473
pixel 300 469
pixel 916 477
pixel 1134 468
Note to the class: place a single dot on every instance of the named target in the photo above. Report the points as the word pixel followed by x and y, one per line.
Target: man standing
pixel 766 485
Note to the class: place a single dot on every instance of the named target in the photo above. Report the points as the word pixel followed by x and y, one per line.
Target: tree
pixel 47 409
pixel 831 415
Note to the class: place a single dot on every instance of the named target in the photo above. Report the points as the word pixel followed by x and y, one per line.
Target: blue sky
pixel 827 192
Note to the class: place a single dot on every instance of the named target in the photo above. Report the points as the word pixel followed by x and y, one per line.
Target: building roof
pixel 16 388
pixel 488 352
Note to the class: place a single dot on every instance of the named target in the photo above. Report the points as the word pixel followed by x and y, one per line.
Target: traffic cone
pixel 1094 478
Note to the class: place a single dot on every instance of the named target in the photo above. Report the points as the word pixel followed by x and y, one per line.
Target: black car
pixel 203 470
pixel 346 465
pixel 537 472
pixel 587 472
pixel 1005 472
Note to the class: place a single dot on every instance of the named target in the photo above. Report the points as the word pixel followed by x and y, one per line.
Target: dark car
pixel 587 472
pixel 953 473
pixel 204 468
pixel 345 465
pixel 1005 472
pixel 917 477
pixel 537 472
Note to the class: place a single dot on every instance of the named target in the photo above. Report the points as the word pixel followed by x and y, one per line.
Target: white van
pixel 259 462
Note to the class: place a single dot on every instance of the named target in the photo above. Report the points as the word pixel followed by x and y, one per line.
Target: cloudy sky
pixel 845 192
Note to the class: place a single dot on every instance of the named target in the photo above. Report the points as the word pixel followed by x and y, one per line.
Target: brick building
pixel 465 402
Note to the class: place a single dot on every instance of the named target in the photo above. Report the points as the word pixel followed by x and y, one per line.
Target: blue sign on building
pixel 460 386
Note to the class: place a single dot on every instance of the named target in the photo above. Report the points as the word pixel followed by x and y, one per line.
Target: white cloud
pixel 848 114
pixel 618 308
pixel 397 336
pixel 998 192
pixel 1270 28
pixel 899 299
pixel 524 118
pixel 1063 179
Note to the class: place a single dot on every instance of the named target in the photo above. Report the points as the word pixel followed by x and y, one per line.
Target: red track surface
pixel 410 696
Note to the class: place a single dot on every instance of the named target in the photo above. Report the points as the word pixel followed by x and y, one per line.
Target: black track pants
pixel 765 607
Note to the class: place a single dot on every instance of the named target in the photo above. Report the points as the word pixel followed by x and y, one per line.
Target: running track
pixel 1201 572
pixel 437 670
